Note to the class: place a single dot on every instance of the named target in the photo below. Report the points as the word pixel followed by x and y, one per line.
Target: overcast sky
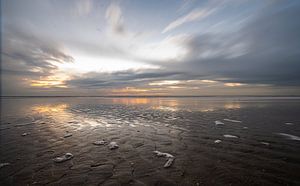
pixel 157 47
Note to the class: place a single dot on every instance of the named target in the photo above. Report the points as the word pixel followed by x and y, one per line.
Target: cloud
pixel 264 51
pixel 26 58
pixel 169 49
pixel 194 15
pixel 119 79
pixel 114 18
pixel 30 53
pixel 243 59
pixel 210 46
pixel 83 7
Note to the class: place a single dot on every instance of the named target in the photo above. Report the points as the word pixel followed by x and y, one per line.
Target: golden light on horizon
pixel 50 82
pixel 165 82
pixel 130 90
pixel 208 81
pixel 233 84
pixel 175 87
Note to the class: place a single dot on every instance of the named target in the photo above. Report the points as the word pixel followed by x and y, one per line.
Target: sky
pixel 156 48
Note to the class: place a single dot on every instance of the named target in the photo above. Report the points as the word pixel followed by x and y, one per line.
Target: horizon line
pixel 133 96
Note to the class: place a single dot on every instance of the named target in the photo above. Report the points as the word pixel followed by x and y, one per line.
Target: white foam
pixel 289 123
pixel 230 136
pixel 113 145
pixel 63 158
pixel 234 121
pixel 265 143
pixel 289 136
pixel 219 123
pixel 163 154
pixel 218 141
pixel 170 158
pixel 4 164
pixel 99 142
pixel 168 163
pixel 25 134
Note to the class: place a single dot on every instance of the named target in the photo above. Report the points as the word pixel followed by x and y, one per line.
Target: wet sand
pixel 263 152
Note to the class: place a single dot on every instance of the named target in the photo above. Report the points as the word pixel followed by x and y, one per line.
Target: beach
pixel 211 140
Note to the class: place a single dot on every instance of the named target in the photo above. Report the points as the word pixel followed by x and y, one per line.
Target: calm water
pixel 264 148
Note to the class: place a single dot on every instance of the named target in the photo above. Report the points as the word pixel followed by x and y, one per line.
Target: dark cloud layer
pixel 120 79
pixel 265 51
pixel 25 56
pixel 25 53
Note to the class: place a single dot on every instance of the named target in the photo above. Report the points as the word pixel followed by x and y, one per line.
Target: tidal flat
pixel 203 140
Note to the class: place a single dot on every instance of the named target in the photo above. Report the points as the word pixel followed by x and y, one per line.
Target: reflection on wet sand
pixel 184 128
pixel 169 105
pixel 232 106
pixel 131 101
pixel 50 108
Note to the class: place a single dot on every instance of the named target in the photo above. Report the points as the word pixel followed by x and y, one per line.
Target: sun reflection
pixel 169 105
pixel 207 110
pixel 232 106
pixel 50 108
pixel 131 101
pixel 173 109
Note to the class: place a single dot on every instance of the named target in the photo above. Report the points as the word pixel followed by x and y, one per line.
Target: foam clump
pixel 170 158
pixel 99 142
pixel 289 136
pixel 232 120
pixel 230 136
pixel 168 163
pixel 4 165
pixel 219 123
pixel 25 134
pixel 63 158
pixel 265 143
pixel 218 141
pixel 113 145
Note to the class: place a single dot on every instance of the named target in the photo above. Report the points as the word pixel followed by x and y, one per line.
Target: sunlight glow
pixel 232 106
pixel 208 81
pixel 131 101
pixel 233 84
pixel 167 49
pixel 57 81
pixel 50 108
pixel 129 90
pixel 85 64
pixel 175 87
pixel 166 82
